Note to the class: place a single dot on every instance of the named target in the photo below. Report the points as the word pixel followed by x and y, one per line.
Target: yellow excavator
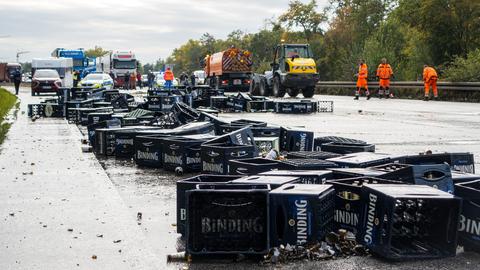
pixel 293 70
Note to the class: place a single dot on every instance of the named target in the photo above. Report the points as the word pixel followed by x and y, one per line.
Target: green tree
pixel 304 16
pixel 465 69
pixel 96 52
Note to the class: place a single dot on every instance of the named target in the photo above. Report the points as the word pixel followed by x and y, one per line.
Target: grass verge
pixel 7 101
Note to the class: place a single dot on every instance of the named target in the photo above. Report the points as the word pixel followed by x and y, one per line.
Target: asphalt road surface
pixel 64 209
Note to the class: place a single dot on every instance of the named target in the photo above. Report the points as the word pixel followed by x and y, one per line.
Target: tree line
pixel 409 33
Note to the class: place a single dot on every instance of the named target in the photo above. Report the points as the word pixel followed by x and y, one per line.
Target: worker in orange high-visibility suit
pixel 362 80
pixel 384 73
pixel 168 77
pixel 430 78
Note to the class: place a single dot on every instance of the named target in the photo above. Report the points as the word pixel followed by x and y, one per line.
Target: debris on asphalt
pixel 117 241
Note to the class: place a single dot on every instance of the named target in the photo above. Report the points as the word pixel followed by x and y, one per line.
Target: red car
pixel 45 81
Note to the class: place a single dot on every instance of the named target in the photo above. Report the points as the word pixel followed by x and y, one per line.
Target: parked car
pixel 145 79
pixel 199 77
pixel 45 80
pixel 160 82
pixel 97 80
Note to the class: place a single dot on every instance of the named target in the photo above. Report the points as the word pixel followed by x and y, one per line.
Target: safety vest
pixel 168 76
pixel 384 71
pixel 429 73
pixel 363 71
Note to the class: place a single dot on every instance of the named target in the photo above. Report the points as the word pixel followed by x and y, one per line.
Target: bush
pixel 7 101
pixel 464 69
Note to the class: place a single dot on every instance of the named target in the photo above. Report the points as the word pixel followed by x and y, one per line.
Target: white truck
pixel 117 64
pixel 64 67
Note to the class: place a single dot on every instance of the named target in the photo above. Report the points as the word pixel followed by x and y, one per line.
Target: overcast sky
pixel 151 28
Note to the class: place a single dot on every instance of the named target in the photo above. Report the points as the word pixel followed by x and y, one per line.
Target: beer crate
pixel 365 159
pixel 190 183
pixel 306 164
pixel 217 122
pixel 149 150
pixel 315 177
pixel 97 117
pixel 266 131
pixel 469 228
pixel 247 122
pixel 273 181
pixel 218 102
pixel 296 139
pixel 463 162
pixel 312 155
pixel 45 110
pixel 300 214
pixel 297 107
pixel 215 156
pixel 438 176
pixel 460 177
pixel 182 154
pixel 347 148
pixel 227 219
pixel 91 129
pixel 403 222
pixel 319 141
pixel 252 166
pixel 266 144
pixel 124 143
pixel 342 173
pixel 257 105
pixel 348 201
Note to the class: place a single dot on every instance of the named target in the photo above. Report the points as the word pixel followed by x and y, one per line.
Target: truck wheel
pixel 278 89
pixel 254 87
pixel 308 92
pixel 262 88
pixel 293 92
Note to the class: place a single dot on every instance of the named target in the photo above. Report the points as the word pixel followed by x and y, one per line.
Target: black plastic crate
pixel 296 139
pixel 348 201
pixel 460 177
pixel 306 164
pixel 365 159
pixel 319 141
pixel 182 154
pixel 435 175
pixel 347 148
pixel 218 102
pixel 215 157
pixel 106 139
pixel 463 162
pixel 247 122
pixel 312 155
pixel 97 117
pixel 91 129
pixel 297 107
pixel 45 110
pixel 124 143
pixel 227 128
pixel 469 228
pixel 273 181
pixel 243 136
pixel 315 177
pixel 403 222
pixel 149 150
pixel 189 184
pixel 82 114
pixel 342 173
pixel 300 214
pixel 217 122
pixel 227 220
pixel 256 106
pixel 267 131
pixel 252 166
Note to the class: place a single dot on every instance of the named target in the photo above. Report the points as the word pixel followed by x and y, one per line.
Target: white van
pixel 64 67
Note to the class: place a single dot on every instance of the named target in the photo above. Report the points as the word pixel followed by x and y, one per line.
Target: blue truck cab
pixel 81 62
